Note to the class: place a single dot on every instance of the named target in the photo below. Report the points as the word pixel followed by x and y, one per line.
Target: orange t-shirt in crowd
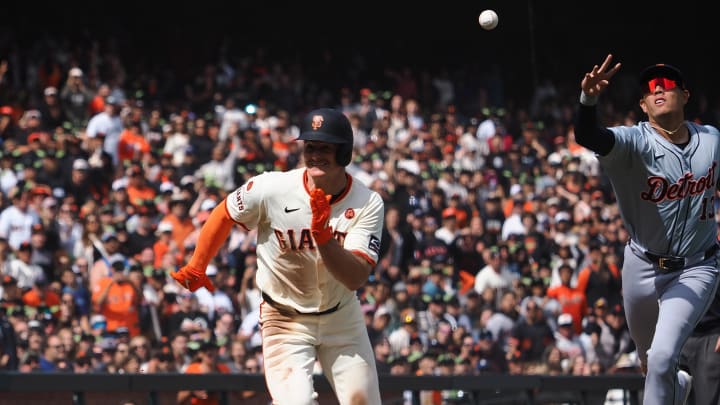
pixel 136 195
pixel 572 301
pixel 180 231
pixel 196 368
pixel 131 143
pixel 120 308
pixel 50 300
pixel 160 248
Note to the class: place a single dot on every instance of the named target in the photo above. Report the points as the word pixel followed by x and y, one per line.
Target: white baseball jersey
pixel 290 268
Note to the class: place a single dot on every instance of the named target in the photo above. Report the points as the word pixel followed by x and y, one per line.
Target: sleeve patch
pixel 239 199
pixel 374 244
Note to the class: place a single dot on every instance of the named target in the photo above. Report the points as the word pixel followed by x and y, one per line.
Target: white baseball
pixel 488 19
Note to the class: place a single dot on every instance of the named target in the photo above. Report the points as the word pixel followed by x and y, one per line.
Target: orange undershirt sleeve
pixel 212 236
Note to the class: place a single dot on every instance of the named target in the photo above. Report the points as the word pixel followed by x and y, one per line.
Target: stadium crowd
pixel 502 242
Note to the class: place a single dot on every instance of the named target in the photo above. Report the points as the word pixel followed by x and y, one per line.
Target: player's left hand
pixel 192 279
pixel 595 81
pixel 320 225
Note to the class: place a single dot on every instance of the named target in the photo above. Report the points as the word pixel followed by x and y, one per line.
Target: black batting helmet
pixel 331 126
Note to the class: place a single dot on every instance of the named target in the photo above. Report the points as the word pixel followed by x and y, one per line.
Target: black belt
pixel 284 307
pixel 675 263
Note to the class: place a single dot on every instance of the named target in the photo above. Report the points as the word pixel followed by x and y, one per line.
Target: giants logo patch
pixel 349 213
pixel 317 121
pixel 374 244
pixel 249 185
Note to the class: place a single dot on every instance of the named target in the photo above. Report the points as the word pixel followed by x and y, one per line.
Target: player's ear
pixel 642 104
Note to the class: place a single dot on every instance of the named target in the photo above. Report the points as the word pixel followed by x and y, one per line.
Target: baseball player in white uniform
pixel 664 172
pixel 318 238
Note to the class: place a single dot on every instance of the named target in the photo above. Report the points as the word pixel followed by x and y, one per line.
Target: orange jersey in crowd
pixel 131 144
pixel 50 300
pixel 180 230
pixel 572 301
pixel 120 308
pixel 136 195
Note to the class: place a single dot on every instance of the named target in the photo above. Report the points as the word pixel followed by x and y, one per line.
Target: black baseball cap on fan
pixel 661 70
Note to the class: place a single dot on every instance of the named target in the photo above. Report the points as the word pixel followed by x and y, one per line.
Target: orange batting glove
pixel 192 279
pixel 320 226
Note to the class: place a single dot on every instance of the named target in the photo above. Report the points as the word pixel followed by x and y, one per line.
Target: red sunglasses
pixel 665 83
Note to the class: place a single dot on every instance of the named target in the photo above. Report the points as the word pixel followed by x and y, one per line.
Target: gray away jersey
pixel 666 194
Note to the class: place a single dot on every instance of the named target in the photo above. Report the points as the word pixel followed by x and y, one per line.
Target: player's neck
pixel 675 132
pixel 333 185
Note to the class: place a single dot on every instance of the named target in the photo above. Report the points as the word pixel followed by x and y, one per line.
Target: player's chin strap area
pixel 675 263
pixel 285 308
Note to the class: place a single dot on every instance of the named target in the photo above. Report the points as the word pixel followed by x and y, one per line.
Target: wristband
pixel 588 100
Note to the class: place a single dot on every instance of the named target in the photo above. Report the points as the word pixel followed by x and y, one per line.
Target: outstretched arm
pixel 212 236
pixel 587 131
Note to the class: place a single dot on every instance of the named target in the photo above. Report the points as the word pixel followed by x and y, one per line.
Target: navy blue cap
pixel 662 70
pixel 326 125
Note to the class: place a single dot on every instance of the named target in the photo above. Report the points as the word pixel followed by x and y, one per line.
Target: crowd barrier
pixel 161 389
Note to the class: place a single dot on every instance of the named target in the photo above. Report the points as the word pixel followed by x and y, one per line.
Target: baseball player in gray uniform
pixel 318 238
pixel 664 172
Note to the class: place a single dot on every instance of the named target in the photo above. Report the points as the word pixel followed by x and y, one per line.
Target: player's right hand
pixel 192 279
pixel 598 78
pixel 320 207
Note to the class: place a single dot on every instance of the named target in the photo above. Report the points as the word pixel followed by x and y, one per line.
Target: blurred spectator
pixel 206 362
pixel 614 337
pixel 53 354
pixel 502 321
pixel 160 361
pixel 400 338
pixel 182 224
pixel 572 300
pixel 249 330
pixel 8 343
pixel 131 145
pixel 566 340
pixel 218 302
pixel 44 254
pixel 80 185
pixel 179 350
pixel 22 270
pixel 187 314
pixel 42 300
pixel 109 252
pixel 495 274
pixel 108 123
pixel 140 191
pixel 51 110
pixel 530 335
pixel 118 300
pixel 378 328
pixel 16 220
pixel 143 236
pixel 75 98
pixel 601 278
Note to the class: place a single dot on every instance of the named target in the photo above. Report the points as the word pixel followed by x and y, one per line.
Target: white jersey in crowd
pixel 290 268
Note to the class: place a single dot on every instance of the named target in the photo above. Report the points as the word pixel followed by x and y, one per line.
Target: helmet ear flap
pixel 344 154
